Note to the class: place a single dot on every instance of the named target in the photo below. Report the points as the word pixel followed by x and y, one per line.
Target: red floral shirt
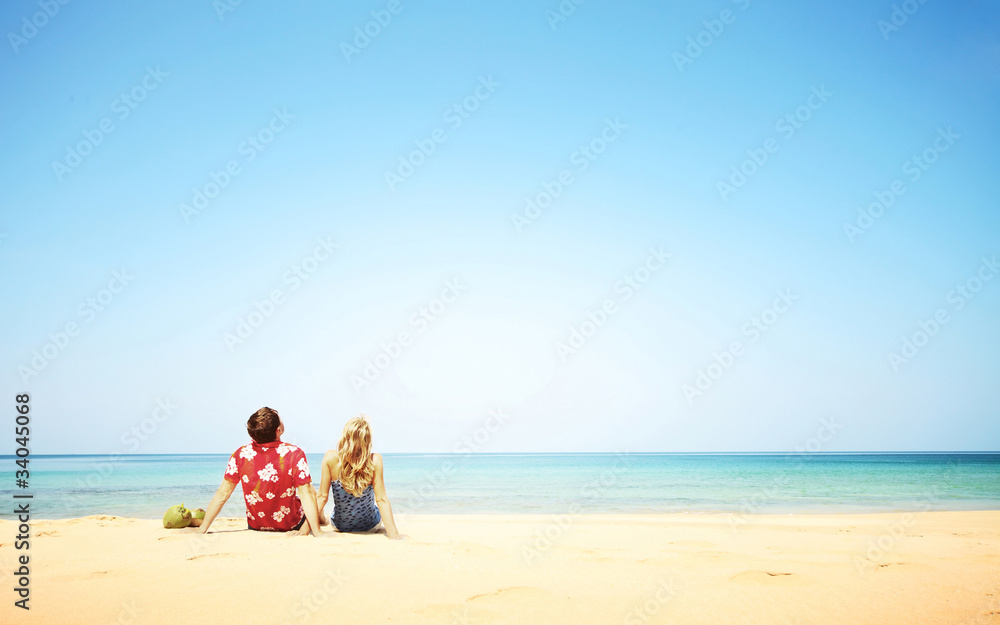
pixel 270 474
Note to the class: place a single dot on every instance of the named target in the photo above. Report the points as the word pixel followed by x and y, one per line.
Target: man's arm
pixel 307 495
pixel 215 506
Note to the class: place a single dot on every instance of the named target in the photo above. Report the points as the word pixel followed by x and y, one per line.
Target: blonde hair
pixel 357 470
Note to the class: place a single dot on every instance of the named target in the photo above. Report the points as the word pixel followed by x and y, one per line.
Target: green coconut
pixel 197 517
pixel 177 517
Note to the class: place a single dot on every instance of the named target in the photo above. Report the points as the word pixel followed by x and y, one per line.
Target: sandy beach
pixel 927 567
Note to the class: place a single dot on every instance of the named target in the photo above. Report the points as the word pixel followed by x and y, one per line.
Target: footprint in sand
pixel 214 555
pixel 659 561
pixel 513 593
pixel 457 613
pixel 693 543
pixel 767 577
pixel 474 549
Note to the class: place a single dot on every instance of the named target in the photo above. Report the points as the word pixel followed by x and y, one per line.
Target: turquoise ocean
pixel 143 486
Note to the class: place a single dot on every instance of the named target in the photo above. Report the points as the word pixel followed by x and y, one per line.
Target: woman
pixel 354 474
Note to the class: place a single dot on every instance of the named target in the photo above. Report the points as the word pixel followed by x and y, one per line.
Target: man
pixel 276 483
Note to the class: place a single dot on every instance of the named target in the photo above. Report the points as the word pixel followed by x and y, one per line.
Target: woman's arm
pixel 324 483
pixel 382 500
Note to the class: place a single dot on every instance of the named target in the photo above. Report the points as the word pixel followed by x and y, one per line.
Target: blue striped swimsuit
pixel 354 514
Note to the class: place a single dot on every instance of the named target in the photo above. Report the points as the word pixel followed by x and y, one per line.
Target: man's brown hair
pixel 262 426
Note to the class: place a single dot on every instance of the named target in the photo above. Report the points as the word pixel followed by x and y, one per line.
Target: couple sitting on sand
pixel 278 490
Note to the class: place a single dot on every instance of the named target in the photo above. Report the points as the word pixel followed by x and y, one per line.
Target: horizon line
pixel 549 453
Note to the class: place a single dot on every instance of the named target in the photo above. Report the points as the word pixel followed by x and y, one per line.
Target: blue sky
pixel 623 123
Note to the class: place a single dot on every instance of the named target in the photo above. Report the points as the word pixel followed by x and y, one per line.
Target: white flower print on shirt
pixel 253 498
pixel 231 467
pixel 303 469
pixel 288 493
pixel 269 495
pixel 283 449
pixel 268 473
pixel 246 480
pixel 247 452
pixel 280 514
